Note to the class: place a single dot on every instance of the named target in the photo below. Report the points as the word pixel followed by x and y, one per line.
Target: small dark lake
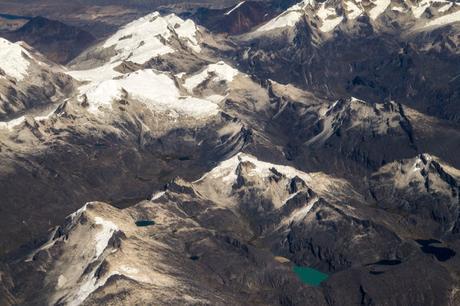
pixel 143 223
pixel 13 17
pixel 441 253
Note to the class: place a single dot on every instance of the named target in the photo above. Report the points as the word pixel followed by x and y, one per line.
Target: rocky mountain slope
pixel 215 167
pixel 262 218
pixel 57 41
pixel 407 51
pixel 28 81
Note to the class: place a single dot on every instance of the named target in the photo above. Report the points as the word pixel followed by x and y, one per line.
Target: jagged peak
pixel 228 169
pixel 422 171
pixel 359 111
pixel 427 164
pixel 224 178
pixel 146 37
pixel 352 113
pixel 328 15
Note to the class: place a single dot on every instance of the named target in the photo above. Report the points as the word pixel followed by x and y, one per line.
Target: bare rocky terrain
pixel 203 157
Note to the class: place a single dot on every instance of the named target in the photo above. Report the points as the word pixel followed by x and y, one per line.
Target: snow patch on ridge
pixel 103 236
pixel 219 72
pixel 90 282
pixel 157 195
pixel 12 60
pixel 353 11
pixel 226 170
pixel 445 8
pixel 419 8
pixel 10 125
pixel 289 18
pixel 329 18
pixel 98 74
pixel 156 90
pixel 380 7
pixel 443 20
pixel 299 214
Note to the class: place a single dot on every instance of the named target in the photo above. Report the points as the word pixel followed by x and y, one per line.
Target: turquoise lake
pixel 310 276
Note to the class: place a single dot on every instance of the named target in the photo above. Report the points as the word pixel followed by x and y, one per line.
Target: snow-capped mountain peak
pixel 288 18
pixel 328 15
pixel 154 89
pixel 272 180
pixel 219 72
pixel 146 37
pixel 14 60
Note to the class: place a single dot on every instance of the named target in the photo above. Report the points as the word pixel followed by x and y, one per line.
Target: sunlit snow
pixel 12 60
pixel 144 38
pixel 150 87
pixel 217 72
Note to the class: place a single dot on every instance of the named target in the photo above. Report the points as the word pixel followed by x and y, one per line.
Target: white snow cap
pixel 153 88
pixel 329 18
pixel 288 18
pixel 12 60
pixel 10 125
pixel 379 8
pixel 219 72
pixel 226 170
pixel 444 20
pixel 144 38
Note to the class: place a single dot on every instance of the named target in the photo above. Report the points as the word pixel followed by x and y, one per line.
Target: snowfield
pixel 215 72
pixel 155 89
pixel 12 60
pixel 144 38
pixel 12 123
pixel 139 42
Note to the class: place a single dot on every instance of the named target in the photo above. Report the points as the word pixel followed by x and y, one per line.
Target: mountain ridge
pixel 269 152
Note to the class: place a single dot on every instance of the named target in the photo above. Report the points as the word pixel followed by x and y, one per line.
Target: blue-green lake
pixel 310 276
